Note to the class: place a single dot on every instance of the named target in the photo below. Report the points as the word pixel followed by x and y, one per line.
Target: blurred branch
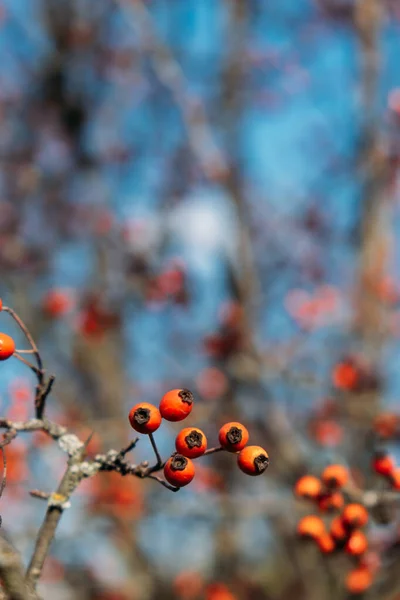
pixel 12 574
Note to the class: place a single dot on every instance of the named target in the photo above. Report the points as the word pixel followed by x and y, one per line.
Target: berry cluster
pixel 344 533
pixel 191 442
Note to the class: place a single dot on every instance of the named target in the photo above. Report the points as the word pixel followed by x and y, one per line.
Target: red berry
pixel 191 442
pixel 233 436
pixel 383 464
pixel 176 405
pixel 145 417
pixel 179 470
pixel 253 460
pixel 7 346
pixel 359 580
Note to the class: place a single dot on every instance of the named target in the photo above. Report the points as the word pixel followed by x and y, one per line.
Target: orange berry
pixel 326 543
pixel 311 527
pixel 176 405
pixel 253 460
pixel 356 544
pixel 179 470
pixel 331 501
pixel 233 436
pixel 383 464
pixel 1 304
pixel 345 376
pixel 354 516
pixel 338 531
pixel 145 417
pixel 309 487
pixel 7 346
pixel 359 580
pixel 395 478
pixel 335 476
pixel 191 442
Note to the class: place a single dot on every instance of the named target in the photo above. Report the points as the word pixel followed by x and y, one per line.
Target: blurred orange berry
pixel 357 543
pixel 338 531
pixel 354 516
pixel 335 476
pixel 329 502
pixel 345 376
pixel 386 424
pixel 309 487
pixel 311 527
pixel 326 543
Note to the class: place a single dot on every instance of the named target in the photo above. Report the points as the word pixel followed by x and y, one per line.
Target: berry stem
pixel 164 483
pixel 213 450
pixel 28 336
pixel 27 363
pixel 159 463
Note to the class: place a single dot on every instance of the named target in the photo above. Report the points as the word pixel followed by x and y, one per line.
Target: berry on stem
pixel 253 460
pixel 191 442
pixel 7 346
pixel 179 470
pixel 326 543
pixel 233 436
pixel 176 405
pixel 145 417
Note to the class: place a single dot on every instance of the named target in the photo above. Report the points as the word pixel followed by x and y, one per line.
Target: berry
pixel 179 470
pixel 253 460
pixel 145 417
pixel 338 531
pixel 7 346
pixel 309 487
pixel 331 501
pixel 233 436
pixel 191 442
pixel 354 516
pixel 383 464
pixel 395 478
pixel 326 543
pixel 335 476
pixel 176 405
pixel 358 580
pixel 1 304
pixel 311 527
pixel 356 544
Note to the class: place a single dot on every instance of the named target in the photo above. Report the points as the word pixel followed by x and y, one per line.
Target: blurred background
pixel 201 194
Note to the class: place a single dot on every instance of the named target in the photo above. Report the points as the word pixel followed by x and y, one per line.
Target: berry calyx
pixel 308 487
pixel 7 346
pixel 233 436
pixel 253 460
pixel 145 418
pixel 179 470
pixel 335 476
pixel 191 442
pixel 176 405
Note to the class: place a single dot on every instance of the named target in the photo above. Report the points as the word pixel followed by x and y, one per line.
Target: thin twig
pixel 28 364
pixel 27 334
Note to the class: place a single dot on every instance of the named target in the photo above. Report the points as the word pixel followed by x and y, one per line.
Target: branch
pixel 12 574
